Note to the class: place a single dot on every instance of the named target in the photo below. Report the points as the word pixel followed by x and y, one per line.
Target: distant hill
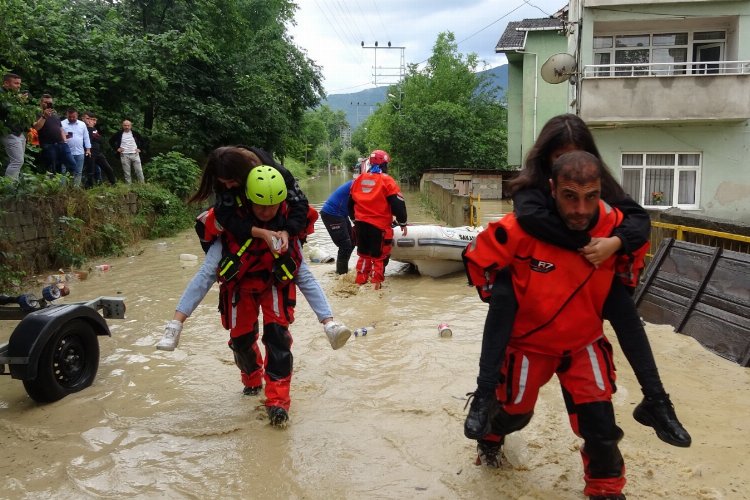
pixel 358 105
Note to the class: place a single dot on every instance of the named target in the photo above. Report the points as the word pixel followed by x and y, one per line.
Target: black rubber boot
pixel 483 407
pixel 658 412
pixel 488 453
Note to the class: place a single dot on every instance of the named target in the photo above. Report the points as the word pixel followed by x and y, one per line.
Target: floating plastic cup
pixel 444 330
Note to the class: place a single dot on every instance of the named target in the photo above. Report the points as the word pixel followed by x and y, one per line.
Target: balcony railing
pixel 641 70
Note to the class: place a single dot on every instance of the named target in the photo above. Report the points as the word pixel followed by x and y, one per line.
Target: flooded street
pixel 380 418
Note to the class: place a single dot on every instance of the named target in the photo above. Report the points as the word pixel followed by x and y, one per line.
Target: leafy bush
pixel 174 171
pixel 37 184
pixel 160 213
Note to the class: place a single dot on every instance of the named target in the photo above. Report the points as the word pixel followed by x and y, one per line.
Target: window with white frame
pixel 662 180
pixel 658 53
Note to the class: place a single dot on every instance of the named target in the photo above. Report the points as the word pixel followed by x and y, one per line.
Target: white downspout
pixel 536 85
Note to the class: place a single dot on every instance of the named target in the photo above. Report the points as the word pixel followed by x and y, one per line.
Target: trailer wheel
pixel 67 364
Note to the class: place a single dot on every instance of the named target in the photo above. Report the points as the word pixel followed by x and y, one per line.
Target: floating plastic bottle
pixel 363 331
pixel 103 267
pixel 51 292
pixel 28 302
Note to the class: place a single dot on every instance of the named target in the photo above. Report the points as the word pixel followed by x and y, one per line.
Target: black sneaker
pixel 252 391
pixel 607 497
pixel 483 408
pixel 278 415
pixel 658 412
pixel 488 453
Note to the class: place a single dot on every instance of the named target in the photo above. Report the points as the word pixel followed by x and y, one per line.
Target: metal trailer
pixel 55 350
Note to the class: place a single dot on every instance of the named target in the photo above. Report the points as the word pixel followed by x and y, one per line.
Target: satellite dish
pixel 558 68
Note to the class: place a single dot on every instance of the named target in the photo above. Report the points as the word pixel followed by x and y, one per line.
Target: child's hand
pixel 600 249
pixel 266 235
pixel 284 241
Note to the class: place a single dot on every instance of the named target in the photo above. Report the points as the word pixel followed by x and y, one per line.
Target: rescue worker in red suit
pixel 375 199
pixel 558 326
pixel 254 278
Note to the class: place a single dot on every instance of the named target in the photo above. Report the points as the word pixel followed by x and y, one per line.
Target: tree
pixel 202 72
pixel 321 129
pixel 447 116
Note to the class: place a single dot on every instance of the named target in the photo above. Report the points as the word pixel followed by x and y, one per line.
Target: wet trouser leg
pixel 278 312
pixel 340 231
pixel 588 382
pixel 248 358
pixel 369 247
pixel 620 310
pixel 497 328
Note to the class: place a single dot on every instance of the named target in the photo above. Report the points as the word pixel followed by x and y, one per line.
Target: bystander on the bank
pixel 13 131
pixel 96 162
pixel 128 143
pixel 52 138
pixel 79 143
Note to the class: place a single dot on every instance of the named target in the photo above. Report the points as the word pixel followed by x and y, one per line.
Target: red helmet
pixel 378 157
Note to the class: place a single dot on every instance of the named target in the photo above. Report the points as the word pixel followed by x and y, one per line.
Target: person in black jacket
pixel 535 213
pixel 128 143
pixel 96 162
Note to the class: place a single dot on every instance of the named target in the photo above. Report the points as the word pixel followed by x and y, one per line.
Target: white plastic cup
pixel 444 330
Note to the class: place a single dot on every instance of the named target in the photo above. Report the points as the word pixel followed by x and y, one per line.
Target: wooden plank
pixel 703 293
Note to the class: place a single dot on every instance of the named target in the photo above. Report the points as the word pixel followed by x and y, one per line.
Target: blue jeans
pixel 206 276
pixel 310 288
pixel 15 147
pixel 58 158
pixel 78 170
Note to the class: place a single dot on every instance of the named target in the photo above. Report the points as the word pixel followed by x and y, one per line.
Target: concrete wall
pixel 28 231
pixel 451 208
pixel 487 184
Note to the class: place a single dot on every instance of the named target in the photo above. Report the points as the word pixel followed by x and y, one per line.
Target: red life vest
pixel 370 193
pixel 560 294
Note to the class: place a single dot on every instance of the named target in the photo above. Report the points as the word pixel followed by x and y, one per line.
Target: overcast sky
pixel 331 32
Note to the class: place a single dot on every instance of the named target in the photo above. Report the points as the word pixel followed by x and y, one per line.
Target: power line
pixel 492 23
pixel 479 31
pixel 385 26
pixel 537 8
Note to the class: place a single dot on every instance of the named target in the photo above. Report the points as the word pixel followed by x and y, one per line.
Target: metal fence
pixel 708 237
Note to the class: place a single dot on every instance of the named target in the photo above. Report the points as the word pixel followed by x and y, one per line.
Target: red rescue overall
pixel 557 330
pixel 374 196
pixel 255 289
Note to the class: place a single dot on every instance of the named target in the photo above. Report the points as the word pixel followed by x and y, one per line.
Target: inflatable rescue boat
pixel 434 250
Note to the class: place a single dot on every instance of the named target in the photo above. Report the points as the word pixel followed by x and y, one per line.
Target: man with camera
pixel 53 139
pixel 129 144
pixel 78 141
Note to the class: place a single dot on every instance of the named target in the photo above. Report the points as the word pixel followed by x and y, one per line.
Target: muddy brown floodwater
pixel 380 418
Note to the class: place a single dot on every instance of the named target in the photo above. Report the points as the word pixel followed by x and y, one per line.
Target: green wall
pixel 725 178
